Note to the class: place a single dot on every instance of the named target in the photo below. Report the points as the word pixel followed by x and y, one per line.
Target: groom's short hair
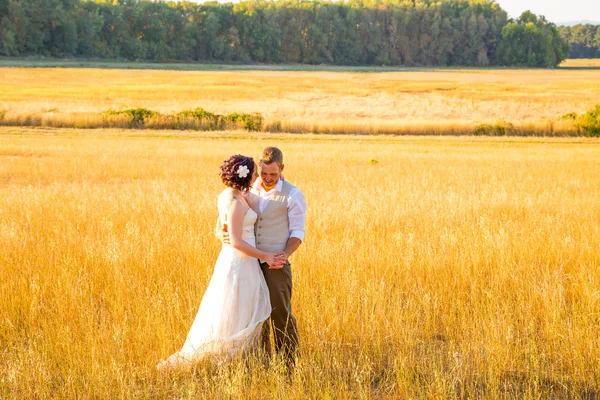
pixel 270 155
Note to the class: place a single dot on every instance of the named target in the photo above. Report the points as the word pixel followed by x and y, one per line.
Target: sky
pixel 556 11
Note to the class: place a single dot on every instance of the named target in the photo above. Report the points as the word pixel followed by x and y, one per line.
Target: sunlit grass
pixel 581 62
pixel 432 267
pixel 348 101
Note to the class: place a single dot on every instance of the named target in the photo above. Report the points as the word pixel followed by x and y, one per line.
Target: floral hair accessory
pixel 242 171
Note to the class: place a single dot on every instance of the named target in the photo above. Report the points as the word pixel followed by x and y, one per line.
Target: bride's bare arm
pixel 219 230
pixel 235 216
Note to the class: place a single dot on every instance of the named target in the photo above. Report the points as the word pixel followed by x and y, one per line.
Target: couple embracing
pixel 261 223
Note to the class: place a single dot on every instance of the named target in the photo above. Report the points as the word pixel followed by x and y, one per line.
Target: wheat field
pixel 581 63
pixel 409 101
pixel 432 267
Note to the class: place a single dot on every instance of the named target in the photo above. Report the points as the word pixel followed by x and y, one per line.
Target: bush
pixel 500 128
pixel 198 113
pixel 137 116
pixel 209 120
pixel 251 122
pixel 2 114
pixel 589 122
pixel 569 117
pixel 197 118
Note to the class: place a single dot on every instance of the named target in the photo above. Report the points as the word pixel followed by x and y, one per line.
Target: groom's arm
pixel 292 245
pixel 297 219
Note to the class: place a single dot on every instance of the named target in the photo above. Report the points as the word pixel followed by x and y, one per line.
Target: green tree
pixel 531 41
pixel 584 40
pixel 352 32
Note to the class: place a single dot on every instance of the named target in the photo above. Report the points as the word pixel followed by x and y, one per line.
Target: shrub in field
pixel 569 117
pixel 589 122
pixel 197 118
pixel 209 120
pixel 251 122
pixel 500 128
pixel 198 113
pixel 137 116
pixel 2 114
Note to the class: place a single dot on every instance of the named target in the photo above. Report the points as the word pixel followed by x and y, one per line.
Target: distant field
pixel 432 268
pixel 582 62
pixel 332 99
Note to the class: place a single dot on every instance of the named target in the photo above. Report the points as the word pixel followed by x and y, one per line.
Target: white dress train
pixel 234 307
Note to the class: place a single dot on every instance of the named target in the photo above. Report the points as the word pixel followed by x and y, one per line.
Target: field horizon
pixel 51 62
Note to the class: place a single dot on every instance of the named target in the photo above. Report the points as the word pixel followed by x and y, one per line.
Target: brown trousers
pixel 285 331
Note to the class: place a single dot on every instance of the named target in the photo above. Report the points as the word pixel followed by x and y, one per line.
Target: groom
pixel 281 210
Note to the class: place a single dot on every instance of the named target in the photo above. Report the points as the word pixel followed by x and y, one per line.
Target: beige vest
pixel 272 225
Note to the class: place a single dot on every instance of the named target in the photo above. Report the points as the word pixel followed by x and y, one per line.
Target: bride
pixel 236 302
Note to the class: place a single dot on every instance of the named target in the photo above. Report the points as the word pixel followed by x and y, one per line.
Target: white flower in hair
pixel 243 171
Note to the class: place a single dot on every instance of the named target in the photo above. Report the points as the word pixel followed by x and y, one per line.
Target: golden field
pixel 432 267
pixel 342 100
pixel 581 63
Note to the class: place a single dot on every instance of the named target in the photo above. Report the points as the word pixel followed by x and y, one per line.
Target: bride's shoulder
pixel 227 193
pixel 228 196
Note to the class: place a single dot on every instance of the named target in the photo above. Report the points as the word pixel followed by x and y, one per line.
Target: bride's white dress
pixel 235 305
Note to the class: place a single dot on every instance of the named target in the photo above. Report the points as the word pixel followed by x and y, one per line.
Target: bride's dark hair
pixel 229 172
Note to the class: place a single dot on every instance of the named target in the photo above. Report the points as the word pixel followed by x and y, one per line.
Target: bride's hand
pixel 270 259
pixel 275 260
pixel 281 256
pixel 225 238
pixel 280 259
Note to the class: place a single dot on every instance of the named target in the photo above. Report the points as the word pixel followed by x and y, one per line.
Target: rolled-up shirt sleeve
pixel 297 214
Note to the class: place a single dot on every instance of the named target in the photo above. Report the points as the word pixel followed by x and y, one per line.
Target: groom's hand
pixel 280 259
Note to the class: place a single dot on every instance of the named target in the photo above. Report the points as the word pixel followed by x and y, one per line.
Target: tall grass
pixel 433 101
pixel 581 63
pixel 138 118
pixel 182 121
pixel 432 267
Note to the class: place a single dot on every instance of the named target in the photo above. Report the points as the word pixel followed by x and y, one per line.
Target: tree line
pixel 584 40
pixel 352 32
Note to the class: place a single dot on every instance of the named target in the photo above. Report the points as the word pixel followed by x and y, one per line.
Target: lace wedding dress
pixel 234 307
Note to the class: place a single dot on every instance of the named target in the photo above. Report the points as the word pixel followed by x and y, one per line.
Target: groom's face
pixel 270 174
pixel 254 175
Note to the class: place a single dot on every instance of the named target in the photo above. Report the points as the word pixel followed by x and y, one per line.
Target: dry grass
pixel 581 63
pixel 106 120
pixel 407 101
pixel 432 268
pixel 338 126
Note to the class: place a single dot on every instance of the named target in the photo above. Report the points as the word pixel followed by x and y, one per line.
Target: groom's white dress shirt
pixel 296 205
